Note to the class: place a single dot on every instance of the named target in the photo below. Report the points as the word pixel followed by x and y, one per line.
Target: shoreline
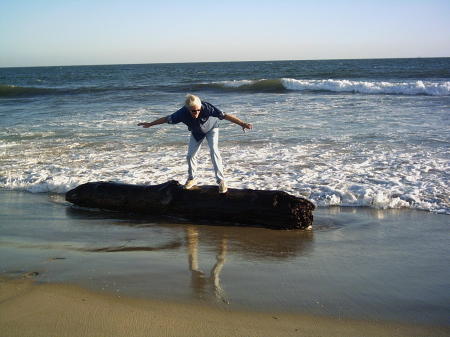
pixel 31 309
pixel 357 264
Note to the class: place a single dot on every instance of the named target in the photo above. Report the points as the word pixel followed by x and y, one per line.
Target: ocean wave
pixel 371 87
pixel 7 91
pixel 280 85
pixel 263 85
pixel 431 88
pixel 13 91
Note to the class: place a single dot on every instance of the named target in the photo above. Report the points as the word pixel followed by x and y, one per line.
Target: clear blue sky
pixel 66 32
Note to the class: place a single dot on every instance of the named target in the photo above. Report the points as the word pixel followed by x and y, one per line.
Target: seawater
pixel 339 132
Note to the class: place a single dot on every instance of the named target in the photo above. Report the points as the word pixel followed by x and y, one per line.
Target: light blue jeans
pixel 213 142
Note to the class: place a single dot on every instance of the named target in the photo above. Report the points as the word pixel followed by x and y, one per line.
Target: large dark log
pixel 273 209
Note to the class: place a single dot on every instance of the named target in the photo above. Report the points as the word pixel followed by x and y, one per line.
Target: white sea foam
pixel 371 87
pixel 237 83
pixel 432 88
pixel 378 179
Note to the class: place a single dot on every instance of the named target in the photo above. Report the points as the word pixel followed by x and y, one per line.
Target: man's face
pixel 195 111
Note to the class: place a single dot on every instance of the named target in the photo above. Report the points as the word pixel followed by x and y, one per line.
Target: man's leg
pixel 213 141
pixel 191 157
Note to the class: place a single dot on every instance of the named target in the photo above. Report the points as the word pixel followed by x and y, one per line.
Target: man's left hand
pixel 246 126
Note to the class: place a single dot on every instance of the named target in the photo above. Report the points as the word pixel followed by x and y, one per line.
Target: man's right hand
pixel 145 125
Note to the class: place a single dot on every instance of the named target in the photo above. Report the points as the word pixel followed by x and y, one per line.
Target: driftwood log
pixel 272 209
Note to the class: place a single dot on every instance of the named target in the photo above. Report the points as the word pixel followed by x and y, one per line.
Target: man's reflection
pixel 215 272
pixel 199 282
pixel 254 243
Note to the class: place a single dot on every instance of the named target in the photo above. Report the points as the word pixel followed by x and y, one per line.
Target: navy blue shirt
pixel 206 121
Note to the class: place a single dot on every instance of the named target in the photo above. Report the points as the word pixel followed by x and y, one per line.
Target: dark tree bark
pixel 272 209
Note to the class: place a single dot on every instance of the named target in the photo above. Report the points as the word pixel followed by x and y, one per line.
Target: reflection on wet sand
pixel 340 268
pixel 252 244
pixel 375 213
pixel 124 248
pixel 205 247
pixel 199 282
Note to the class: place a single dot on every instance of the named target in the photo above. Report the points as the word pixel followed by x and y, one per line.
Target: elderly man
pixel 202 119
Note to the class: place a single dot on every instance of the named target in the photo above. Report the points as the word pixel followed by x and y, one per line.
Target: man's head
pixel 194 105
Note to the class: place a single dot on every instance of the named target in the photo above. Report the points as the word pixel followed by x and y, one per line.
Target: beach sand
pixel 28 309
pixel 359 272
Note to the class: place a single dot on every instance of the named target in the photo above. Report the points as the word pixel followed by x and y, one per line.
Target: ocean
pixel 366 140
pixel 339 132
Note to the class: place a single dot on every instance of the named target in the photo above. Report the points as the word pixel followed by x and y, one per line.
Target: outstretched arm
pixel 161 120
pixel 237 121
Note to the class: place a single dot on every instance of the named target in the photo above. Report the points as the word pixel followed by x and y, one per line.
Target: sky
pixel 87 32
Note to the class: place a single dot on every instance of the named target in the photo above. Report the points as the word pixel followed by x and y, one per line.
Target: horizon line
pixel 240 61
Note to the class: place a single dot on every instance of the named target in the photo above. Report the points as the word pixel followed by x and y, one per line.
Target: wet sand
pixel 384 272
pixel 27 309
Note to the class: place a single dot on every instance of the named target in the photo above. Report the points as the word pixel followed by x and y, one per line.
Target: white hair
pixel 192 100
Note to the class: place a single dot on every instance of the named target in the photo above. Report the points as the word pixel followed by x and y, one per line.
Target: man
pixel 202 119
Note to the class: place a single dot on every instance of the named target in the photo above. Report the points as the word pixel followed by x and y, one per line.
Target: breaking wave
pixel 263 85
pixel 13 91
pixel 17 91
pixel 431 88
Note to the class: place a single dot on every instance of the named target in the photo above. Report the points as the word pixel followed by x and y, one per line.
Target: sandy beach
pixel 78 272
pixel 28 309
